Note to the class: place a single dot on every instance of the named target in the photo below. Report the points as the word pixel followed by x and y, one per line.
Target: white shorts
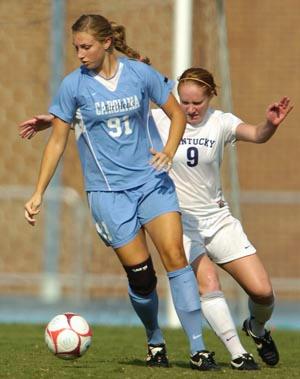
pixel 225 245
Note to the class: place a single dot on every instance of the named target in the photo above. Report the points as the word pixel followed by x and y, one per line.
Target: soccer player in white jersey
pixel 128 188
pixel 209 228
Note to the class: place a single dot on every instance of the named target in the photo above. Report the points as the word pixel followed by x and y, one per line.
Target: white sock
pixel 216 312
pixel 260 314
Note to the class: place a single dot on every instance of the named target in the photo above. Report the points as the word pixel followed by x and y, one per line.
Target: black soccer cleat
pixel 265 345
pixel 244 362
pixel 203 361
pixel 157 356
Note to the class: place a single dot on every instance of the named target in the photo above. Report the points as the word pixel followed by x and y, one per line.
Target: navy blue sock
pixel 146 308
pixel 186 301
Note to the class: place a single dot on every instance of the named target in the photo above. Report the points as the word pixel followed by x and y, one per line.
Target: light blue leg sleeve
pixel 186 300
pixel 146 307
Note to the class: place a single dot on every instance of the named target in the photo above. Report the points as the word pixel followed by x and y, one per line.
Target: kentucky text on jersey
pixel 117 106
pixel 197 141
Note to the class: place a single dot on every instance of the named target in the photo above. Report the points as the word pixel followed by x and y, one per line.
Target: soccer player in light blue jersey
pixel 128 189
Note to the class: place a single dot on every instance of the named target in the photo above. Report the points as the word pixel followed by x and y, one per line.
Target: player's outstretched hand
pixel 160 160
pixel 277 112
pixel 32 208
pixel 29 128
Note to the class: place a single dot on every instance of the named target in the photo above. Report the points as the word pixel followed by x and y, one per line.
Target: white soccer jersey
pixel 196 166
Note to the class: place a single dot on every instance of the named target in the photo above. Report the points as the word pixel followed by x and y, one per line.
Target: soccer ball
pixel 68 336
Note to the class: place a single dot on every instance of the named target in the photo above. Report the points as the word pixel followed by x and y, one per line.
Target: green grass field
pixel 119 352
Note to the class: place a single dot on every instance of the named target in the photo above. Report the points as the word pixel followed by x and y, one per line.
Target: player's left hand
pixel 277 112
pixel 160 160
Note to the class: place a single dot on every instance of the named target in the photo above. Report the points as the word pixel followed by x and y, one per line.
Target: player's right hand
pixel 32 208
pixel 29 128
pixel 160 160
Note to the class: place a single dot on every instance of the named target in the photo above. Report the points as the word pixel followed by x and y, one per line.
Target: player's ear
pixel 107 43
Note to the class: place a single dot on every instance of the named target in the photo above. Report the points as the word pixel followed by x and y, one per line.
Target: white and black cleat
pixel 265 345
pixel 204 361
pixel 244 362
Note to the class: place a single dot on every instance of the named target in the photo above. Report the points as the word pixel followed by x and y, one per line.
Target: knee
pixel 264 296
pixel 176 264
pixel 174 258
pixel 207 276
pixel 142 278
pixel 210 285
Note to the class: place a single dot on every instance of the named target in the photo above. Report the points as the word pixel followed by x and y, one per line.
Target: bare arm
pixel 51 156
pixel 177 128
pixel 261 133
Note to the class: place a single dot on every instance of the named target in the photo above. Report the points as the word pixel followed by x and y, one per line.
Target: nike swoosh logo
pixel 228 339
pixel 197 336
pixel 237 365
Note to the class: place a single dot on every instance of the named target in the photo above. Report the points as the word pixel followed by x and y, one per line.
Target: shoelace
pixel 267 337
pixel 208 356
pixel 248 356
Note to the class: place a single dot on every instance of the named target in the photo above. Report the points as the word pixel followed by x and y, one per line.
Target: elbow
pixel 183 119
pixel 261 140
pixel 180 115
pixel 183 115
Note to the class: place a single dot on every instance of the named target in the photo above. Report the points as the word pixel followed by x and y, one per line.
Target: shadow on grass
pixel 175 363
pixel 133 362
pixel 81 366
pixel 186 364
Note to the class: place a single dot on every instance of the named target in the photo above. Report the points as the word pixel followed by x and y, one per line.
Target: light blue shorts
pixel 119 215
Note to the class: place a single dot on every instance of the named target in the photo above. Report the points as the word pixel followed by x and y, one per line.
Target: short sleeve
pixel 158 86
pixel 230 123
pixel 64 104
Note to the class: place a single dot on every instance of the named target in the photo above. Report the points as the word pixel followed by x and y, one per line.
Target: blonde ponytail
pixel 119 43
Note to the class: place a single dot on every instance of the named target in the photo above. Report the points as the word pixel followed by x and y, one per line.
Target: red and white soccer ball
pixel 68 336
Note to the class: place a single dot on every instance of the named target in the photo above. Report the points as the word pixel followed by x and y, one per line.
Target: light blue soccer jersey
pixel 114 141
